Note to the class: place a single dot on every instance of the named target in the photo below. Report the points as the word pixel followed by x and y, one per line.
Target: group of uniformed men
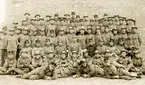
pixel 57 47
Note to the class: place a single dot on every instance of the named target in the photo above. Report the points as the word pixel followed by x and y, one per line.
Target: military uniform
pixel 82 39
pixel 96 64
pixel 3 46
pixel 62 66
pixel 12 42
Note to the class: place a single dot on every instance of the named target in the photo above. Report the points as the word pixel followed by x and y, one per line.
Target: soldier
pixel 99 36
pixel 108 35
pixel 27 16
pixel 120 45
pixel 9 64
pixel 123 35
pixel 89 35
pixel 27 47
pixel 74 46
pixel 115 36
pixel 41 24
pixel 23 64
pixel 110 64
pixel 3 46
pixel 37 59
pixel 91 48
pixel 62 69
pixel 126 63
pixel 33 36
pixel 24 37
pixel 45 71
pixel 75 62
pixel 42 37
pixel 101 47
pixel 51 28
pixel 137 64
pixel 37 48
pixel 59 48
pixel 136 37
pixel 82 38
pixel 12 42
pixel 48 45
pixel 72 33
pixel 96 65
pixel 37 16
pixel 84 64
pixel 62 36
pixel 112 47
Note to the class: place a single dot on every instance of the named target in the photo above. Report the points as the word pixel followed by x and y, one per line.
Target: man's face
pixel 63 56
pixel 111 43
pixel 18 31
pixel 82 31
pixel 134 30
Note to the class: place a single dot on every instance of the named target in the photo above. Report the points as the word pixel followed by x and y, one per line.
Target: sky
pixel 2 11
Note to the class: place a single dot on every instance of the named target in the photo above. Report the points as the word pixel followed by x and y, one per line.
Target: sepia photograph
pixel 72 42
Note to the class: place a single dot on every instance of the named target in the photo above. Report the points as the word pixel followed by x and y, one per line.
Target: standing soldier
pixel 74 46
pixel 91 47
pixel 60 47
pixel 42 37
pixel 136 37
pixel 123 35
pixel 101 47
pixel 115 36
pixel 2 47
pixel 108 35
pixel 62 36
pixel 89 35
pixel 82 38
pixel 99 36
pixel 51 28
pixel 12 42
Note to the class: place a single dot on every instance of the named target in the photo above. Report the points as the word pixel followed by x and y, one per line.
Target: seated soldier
pixel 37 59
pixel 84 64
pixel 62 69
pixel 59 48
pixel 75 63
pixel 96 65
pixel 110 64
pixel 112 47
pixel 137 64
pixel 23 64
pixel 125 62
pixel 27 47
pixel 9 64
pixel 45 71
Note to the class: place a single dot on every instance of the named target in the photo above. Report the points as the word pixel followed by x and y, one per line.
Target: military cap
pixel 136 52
pixel 89 27
pixel 108 51
pixel 74 52
pixel 37 52
pixel 96 52
pixel 95 16
pixel 12 29
pixel 48 16
pixel 56 15
pixel 37 15
pixel 15 22
pixel 27 14
pixel 66 15
pixel 73 13
pixel 80 20
pixel 33 19
pixel 49 51
pixel 77 16
pixel 134 27
pixel 63 52
pixel 105 14
pixel 24 20
pixel 124 50
pixel 82 28
pixel 116 15
pixel 41 19
pixel 85 51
